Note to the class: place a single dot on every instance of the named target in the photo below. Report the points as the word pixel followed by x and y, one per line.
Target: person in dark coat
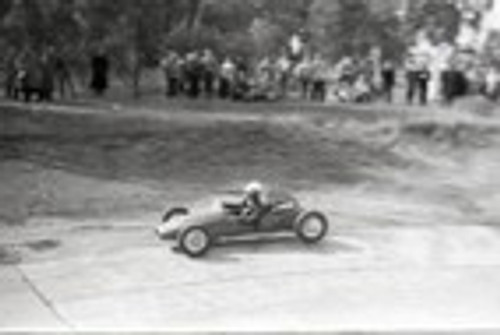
pixel 100 69
pixel 454 84
pixel 227 79
pixel 418 77
pixel 423 78
pixel 170 66
pixel 319 81
pixel 11 69
pixel 388 81
pixel 46 68
pixel 35 77
pixel 411 80
pixel 447 85
pixel 194 73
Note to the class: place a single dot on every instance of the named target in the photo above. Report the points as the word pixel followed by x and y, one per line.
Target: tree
pixel 440 19
pixel 267 37
pixel 351 27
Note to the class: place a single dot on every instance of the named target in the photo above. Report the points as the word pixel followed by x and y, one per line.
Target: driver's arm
pixel 251 208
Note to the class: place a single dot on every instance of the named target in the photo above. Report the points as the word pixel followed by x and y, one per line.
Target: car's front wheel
pixel 194 241
pixel 311 227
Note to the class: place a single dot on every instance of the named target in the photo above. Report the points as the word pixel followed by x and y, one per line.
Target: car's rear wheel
pixel 311 227
pixel 195 241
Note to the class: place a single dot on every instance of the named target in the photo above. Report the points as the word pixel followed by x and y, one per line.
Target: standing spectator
pixel 227 77
pixel 492 83
pixel 19 74
pixel 62 76
pixel 180 72
pixel 194 73
pixel 46 68
pixel 35 77
pixel 171 66
pixel 318 79
pixel 11 70
pixel 241 86
pixel 189 77
pixel 411 80
pixel 447 84
pixel 303 72
pixel 423 78
pixel 418 77
pixel 283 67
pixel 388 81
pixel 210 65
pixel 100 69
pixel 165 64
pixel 454 84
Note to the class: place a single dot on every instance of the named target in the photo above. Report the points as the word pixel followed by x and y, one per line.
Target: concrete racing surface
pixel 412 196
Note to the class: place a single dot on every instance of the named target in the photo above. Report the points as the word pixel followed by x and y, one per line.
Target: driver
pixel 254 205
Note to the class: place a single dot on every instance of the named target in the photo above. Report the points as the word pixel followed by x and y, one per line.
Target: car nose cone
pixel 169 230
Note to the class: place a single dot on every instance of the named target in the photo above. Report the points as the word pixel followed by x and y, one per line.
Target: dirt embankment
pixel 48 159
pixel 62 163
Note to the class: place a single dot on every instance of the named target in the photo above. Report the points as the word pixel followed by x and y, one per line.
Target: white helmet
pixel 254 187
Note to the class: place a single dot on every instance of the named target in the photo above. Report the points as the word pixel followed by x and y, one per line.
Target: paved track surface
pixel 403 279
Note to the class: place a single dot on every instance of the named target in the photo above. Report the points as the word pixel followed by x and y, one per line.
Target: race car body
pixel 196 230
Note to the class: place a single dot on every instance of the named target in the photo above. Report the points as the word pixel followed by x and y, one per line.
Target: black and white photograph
pixel 227 166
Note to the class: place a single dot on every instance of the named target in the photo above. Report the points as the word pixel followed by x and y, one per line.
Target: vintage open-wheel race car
pixel 196 231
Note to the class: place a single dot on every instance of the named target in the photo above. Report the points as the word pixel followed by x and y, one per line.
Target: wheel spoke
pixel 312 228
pixel 196 240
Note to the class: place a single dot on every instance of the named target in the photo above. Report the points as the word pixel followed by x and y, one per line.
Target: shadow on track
pixel 236 250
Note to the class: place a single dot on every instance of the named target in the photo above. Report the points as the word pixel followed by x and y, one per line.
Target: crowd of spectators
pixel 314 78
pixel 269 78
pixel 202 74
pixel 311 77
pixel 44 76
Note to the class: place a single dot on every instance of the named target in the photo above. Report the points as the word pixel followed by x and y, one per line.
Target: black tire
pixel 194 241
pixel 317 233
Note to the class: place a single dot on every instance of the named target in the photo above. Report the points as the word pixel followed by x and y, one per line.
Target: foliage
pixel 350 27
pixel 441 20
